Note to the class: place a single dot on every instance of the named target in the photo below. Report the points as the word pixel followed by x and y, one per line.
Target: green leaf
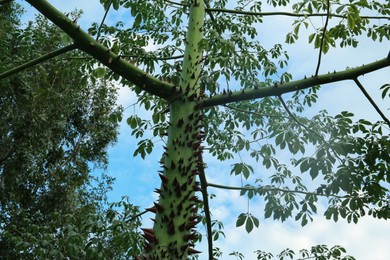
pixel 351 21
pixel 313 207
pixel 100 72
pixel 156 118
pixel 314 171
pixel 339 9
pixel 115 4
pixel 241 220
pixel 137 20
pixel 304 221
pixel 311 37
pixel 385 88
pixel 304 166
pixel 249 225
pixel 115 48
pixel 279 138
pixel 267 213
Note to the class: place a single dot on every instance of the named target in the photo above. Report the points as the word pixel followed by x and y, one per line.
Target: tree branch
pixel 103 19
pixel 8 154
pixel 89 45
pixel 277 90
pixel 272 188
pixel 133 218
pixel 323 38
pixel 203 184
pixel 156 58
pixel 240 12
pixel 174 3
pixel 251 112
pixel 37 61
pixel 365 93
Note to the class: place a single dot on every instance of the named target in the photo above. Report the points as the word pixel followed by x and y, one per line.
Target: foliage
pixel 106 235
pixel 316 252
pixel 55 126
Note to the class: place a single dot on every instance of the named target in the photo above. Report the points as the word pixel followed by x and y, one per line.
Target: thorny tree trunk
pixel 173 233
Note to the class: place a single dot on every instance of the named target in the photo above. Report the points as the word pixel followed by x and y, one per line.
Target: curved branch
pixel 89 45
pixel 240 12
pixel 37 61
pixel 277 90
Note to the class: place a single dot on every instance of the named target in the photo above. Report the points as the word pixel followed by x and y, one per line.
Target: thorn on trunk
pixel 159 207
pixel 192 251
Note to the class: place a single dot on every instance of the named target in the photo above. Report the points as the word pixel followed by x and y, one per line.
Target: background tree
pixel 350 160
pixel 56 125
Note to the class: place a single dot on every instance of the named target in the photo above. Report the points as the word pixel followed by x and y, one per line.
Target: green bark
pixel 176 212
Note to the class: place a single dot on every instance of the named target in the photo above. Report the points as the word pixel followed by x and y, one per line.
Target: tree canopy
pixel 215 89
pixel 55 127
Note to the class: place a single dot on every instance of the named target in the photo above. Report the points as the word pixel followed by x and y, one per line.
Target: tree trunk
pixel 173 233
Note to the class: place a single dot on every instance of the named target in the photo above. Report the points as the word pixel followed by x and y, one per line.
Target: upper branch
pixel 241 12
pixel 365 93
pixel 270 188
pixel 277 90
pixel 89 45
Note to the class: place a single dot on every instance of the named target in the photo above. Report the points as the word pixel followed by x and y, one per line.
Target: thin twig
pixel 174 3
pixel 272 188
pixel 203 184
pixel 207 4
pixel 8 154
pixel 137 216
pixel 156 58
pixel 323 38
pixel 371 101
pixel 240 12
pixel 37 61
pixel 104 18
pixel 221 147
pixel 251 112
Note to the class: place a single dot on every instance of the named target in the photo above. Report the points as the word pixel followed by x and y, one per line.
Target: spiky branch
pixel 279 89
pixel 89 45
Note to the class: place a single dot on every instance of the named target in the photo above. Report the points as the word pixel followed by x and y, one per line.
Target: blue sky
pixel 137 178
